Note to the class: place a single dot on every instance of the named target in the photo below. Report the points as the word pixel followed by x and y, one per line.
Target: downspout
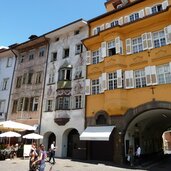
pixel 11 83
pixel 41 110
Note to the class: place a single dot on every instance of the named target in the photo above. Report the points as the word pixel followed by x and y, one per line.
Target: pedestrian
pixel 33 157
pixel 52 152
pixel 41 159
pixel 130 156
pixel 138 154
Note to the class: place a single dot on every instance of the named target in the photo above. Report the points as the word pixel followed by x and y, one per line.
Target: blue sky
pixel 21 18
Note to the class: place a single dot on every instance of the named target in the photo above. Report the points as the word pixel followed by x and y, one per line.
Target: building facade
pixel 63 114
pixel 28 84
pixel 7 63
pixel 128 78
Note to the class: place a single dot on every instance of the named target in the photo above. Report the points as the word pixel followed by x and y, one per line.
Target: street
pixel 19 164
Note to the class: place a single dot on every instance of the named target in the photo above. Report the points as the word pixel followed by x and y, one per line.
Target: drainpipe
pixel 41 110
pixel 11 84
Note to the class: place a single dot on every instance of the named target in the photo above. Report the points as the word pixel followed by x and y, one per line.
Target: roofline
pixel 114 11
pixel 65 26
pixel 41 36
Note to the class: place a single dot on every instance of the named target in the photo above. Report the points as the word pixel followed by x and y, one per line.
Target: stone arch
pixel 102 115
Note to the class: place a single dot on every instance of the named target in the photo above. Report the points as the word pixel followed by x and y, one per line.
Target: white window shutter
pixel 107 25
pixel 88 57
pixel 148 75
pixel 101 58
pixel 141 13
pixel 117 44
pixel 165 4
pixel 148 11
pixel 149 40
pixel 120 20
pixel 144 40
pixel 104 81
pixel 121 47
pixel 127 80
pixel 153 75
pixel 87 87
pixel 170 66
pixel 167 31
pixel 102 27
pixel 126 19
pixel 100 85
pixel 119 78
pixel 131 76
pixel 128 46
pixel 94 31
pixel 103 49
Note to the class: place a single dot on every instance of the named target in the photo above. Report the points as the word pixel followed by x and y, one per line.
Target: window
pixel 114 23
pixel 2 106
pixel 5 83
pixel 111 48
pixel 112 78
pixel 96 30
pixel 156 8
pixel 76 32
pixel 26 104
pixel 95 86
pixel 140 78
pixel 21 59
pixel 159 39
pixel 51 79
pixel 31 55
pixel 30 75
pixel 41 51
pixel 35 103
pixel 9 62
pixel 66 53
pixel 20 105
pixel 25 78
pixel 63 102
pixel 95 57
pixel 19 80
pixel 78 100
pixel 137 45
pixel 163 74
pixel 38 77
pixel 78 49
pixel 54 56
pixel 14 108
pixel 134 17
pixel 65 74
pixel 49 105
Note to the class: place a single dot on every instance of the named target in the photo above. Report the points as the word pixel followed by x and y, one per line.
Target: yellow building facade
pixel 128 82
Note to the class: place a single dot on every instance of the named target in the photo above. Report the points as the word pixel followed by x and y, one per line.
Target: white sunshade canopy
pixel 11 125
pixel 10 134
pixel 33 136
pixel 97 133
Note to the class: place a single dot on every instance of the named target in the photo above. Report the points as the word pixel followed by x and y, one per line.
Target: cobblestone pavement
pixel 18 164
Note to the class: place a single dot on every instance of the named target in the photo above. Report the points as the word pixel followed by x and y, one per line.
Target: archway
pixel 76 148
pixel 145 128
pixel 51 138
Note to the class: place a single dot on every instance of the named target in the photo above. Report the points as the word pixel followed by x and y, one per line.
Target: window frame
pixel 95 86
pixel 62 102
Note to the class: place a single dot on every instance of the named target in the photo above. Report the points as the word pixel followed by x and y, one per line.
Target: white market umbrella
pixel 10 134
pixel 33 136
pixel 12 125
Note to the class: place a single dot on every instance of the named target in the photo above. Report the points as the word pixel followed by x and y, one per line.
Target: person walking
pixel 33 157
pixel 130 156
pixel 52 152
pixel 41 159
pixel 138 154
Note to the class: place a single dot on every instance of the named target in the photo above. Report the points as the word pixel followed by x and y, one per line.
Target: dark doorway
pixel 102 150
pixel 52 138
pixel 76 148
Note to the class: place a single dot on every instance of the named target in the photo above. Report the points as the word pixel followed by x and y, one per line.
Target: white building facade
pixel 7 63
pixel 63 117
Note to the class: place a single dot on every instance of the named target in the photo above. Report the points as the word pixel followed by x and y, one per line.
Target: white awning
pixel 97 133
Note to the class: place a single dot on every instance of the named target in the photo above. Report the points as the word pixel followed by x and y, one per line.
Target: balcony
pixel 61 119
